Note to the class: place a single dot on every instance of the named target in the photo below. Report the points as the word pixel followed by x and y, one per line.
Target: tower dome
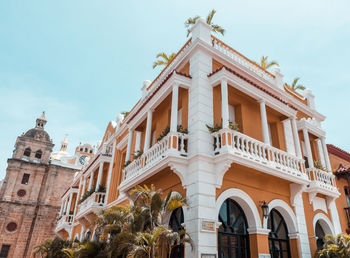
pixel 38 132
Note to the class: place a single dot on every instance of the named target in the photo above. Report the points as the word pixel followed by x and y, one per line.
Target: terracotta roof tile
pixel 338 152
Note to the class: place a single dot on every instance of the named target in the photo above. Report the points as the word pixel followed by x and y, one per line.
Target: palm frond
pixel 218 29
pixel 210 16
pixel 271 64
pixel 191 21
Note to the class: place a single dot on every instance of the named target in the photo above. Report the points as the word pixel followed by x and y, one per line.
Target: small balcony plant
pixel 101 189
pixel 127 163
pixel 180 129
pixel 164 133
pixel 214 129
pixel 318 165
pixel 138 154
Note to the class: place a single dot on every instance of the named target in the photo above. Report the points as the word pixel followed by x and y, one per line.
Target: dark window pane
pixel 25 178
pixel 4 251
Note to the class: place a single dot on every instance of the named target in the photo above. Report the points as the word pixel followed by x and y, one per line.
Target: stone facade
pixel 30 196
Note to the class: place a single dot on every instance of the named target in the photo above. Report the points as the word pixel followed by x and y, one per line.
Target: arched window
pixel 27 152
pixel 176 219
pixel 38 154
pixel 233 236
pixel 319 232
pixel 278 236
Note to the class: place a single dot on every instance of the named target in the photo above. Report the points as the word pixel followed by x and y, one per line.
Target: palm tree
pixel 166 59
pixel 266 64
pixel 52 248
pixel 338 246
pixel 294 85
pixel 214 27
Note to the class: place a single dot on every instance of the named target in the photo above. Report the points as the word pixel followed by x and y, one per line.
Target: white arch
pixel 246 203
pixel 326 224
pixel 287 214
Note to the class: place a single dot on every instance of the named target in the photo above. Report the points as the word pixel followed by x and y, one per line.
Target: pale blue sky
pixel 84 61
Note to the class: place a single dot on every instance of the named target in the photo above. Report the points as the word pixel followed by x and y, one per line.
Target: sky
pixel 84 61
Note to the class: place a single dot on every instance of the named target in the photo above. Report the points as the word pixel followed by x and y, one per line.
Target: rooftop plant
pixel 214 27
pixel 163 60
pixel 295 86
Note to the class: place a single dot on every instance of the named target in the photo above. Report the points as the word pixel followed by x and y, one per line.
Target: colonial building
pixel 30 195
pixel 248 153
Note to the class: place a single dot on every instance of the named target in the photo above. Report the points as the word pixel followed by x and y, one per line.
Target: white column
pixel 308 148
pixel 99 176
pixel 91 179
pixel 128 150
pixel 76 204
pixel 296 138
pixel 325 154
pixel 224 104
pixel 320 152
pixel 138 141
pixel 70 202
pixel 174 105
pixel 110 170
pixel 62 206
pixel 334 215
pixel 148 131
pixel 84 185
pixel 65 206
pixel 264 124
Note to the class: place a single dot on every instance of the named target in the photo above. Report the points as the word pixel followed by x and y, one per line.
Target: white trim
pixel 247 204
pixel 326 224
pixel 287 214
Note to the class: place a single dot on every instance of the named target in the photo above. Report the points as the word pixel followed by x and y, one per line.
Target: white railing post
pixel 174 107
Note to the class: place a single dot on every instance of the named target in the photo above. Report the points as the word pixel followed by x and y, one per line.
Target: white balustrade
pixel 322 179
pixel 238 58
pixel 252 149
pixel 65 220
pixel 155 154
pixel 95 199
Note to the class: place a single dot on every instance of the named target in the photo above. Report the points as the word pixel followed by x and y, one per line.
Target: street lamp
pixel 265 209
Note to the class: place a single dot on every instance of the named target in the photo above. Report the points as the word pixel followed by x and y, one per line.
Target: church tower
pixel 30 193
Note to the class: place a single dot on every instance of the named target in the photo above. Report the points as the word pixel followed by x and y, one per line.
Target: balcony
pixel 250 152
pixel 64 224
pixel 322 182
pixel 173 145
pixel 91 205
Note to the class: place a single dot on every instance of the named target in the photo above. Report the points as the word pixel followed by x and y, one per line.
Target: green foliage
pixel 164 133
pixel 233 126
pixel 214 129
pixel 127 163
pixel 264 63
pixel 138 154
pixel 125 113
pixel 338 246
pixel 138 230
pixel 214 27
pixel 164 59
pixel 180 129
pixel 295 86
pixel 318 165
pixel 52 248
pixel 86 195
pixel 101 189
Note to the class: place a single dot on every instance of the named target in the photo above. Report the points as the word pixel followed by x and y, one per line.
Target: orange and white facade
pixel 269 159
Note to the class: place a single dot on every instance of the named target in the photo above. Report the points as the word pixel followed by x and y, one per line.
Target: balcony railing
pixel 242 60
pixel 176 143
pixel 65 220
pixel 322 179
pixel 96 199
pixel 227 140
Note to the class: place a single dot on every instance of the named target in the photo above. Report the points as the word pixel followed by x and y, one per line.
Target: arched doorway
pixel 176 219
pixel 233 237
pixel 278 237
pixel 320 234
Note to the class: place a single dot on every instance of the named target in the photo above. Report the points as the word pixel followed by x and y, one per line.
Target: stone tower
pixel 30 193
